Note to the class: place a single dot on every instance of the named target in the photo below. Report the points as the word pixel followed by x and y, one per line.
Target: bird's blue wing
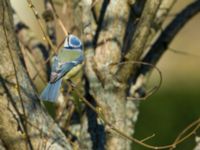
pixel 66 67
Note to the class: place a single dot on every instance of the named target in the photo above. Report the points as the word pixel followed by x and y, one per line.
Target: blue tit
pixel 61 68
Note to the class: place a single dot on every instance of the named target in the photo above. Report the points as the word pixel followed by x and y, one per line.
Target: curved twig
pixel 150 91
pixel 195 123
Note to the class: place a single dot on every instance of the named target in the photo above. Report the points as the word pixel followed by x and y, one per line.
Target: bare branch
pixel 140 37
pixel 161 45
pixel 161 15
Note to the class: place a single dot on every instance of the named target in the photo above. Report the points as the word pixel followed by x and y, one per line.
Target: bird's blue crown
pixel 72 42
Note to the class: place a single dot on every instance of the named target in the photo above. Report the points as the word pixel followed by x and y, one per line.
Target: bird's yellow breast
pixel 73 72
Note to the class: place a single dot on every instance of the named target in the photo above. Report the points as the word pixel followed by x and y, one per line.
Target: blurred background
pixel 177 103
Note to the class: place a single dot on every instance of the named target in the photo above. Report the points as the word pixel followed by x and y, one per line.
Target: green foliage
pixel 166 114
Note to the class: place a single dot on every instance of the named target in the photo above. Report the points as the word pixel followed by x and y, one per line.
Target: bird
pixel 61 68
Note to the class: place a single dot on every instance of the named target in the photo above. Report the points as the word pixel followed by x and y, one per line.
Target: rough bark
pixel 24 122
pixel 100 76
pixel 89 27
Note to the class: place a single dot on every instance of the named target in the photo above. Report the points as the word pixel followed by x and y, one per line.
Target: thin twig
pixel 195 123
pixel 148 138
pixel 182 52
pixel 41 26
pixel 58 19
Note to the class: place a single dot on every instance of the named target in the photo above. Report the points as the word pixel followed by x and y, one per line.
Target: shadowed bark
pixel 100 77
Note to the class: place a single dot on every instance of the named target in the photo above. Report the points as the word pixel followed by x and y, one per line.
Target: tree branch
pixel 140 37
pixel 161 44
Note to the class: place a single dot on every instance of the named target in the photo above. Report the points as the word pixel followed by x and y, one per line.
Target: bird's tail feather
pixel 51 91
